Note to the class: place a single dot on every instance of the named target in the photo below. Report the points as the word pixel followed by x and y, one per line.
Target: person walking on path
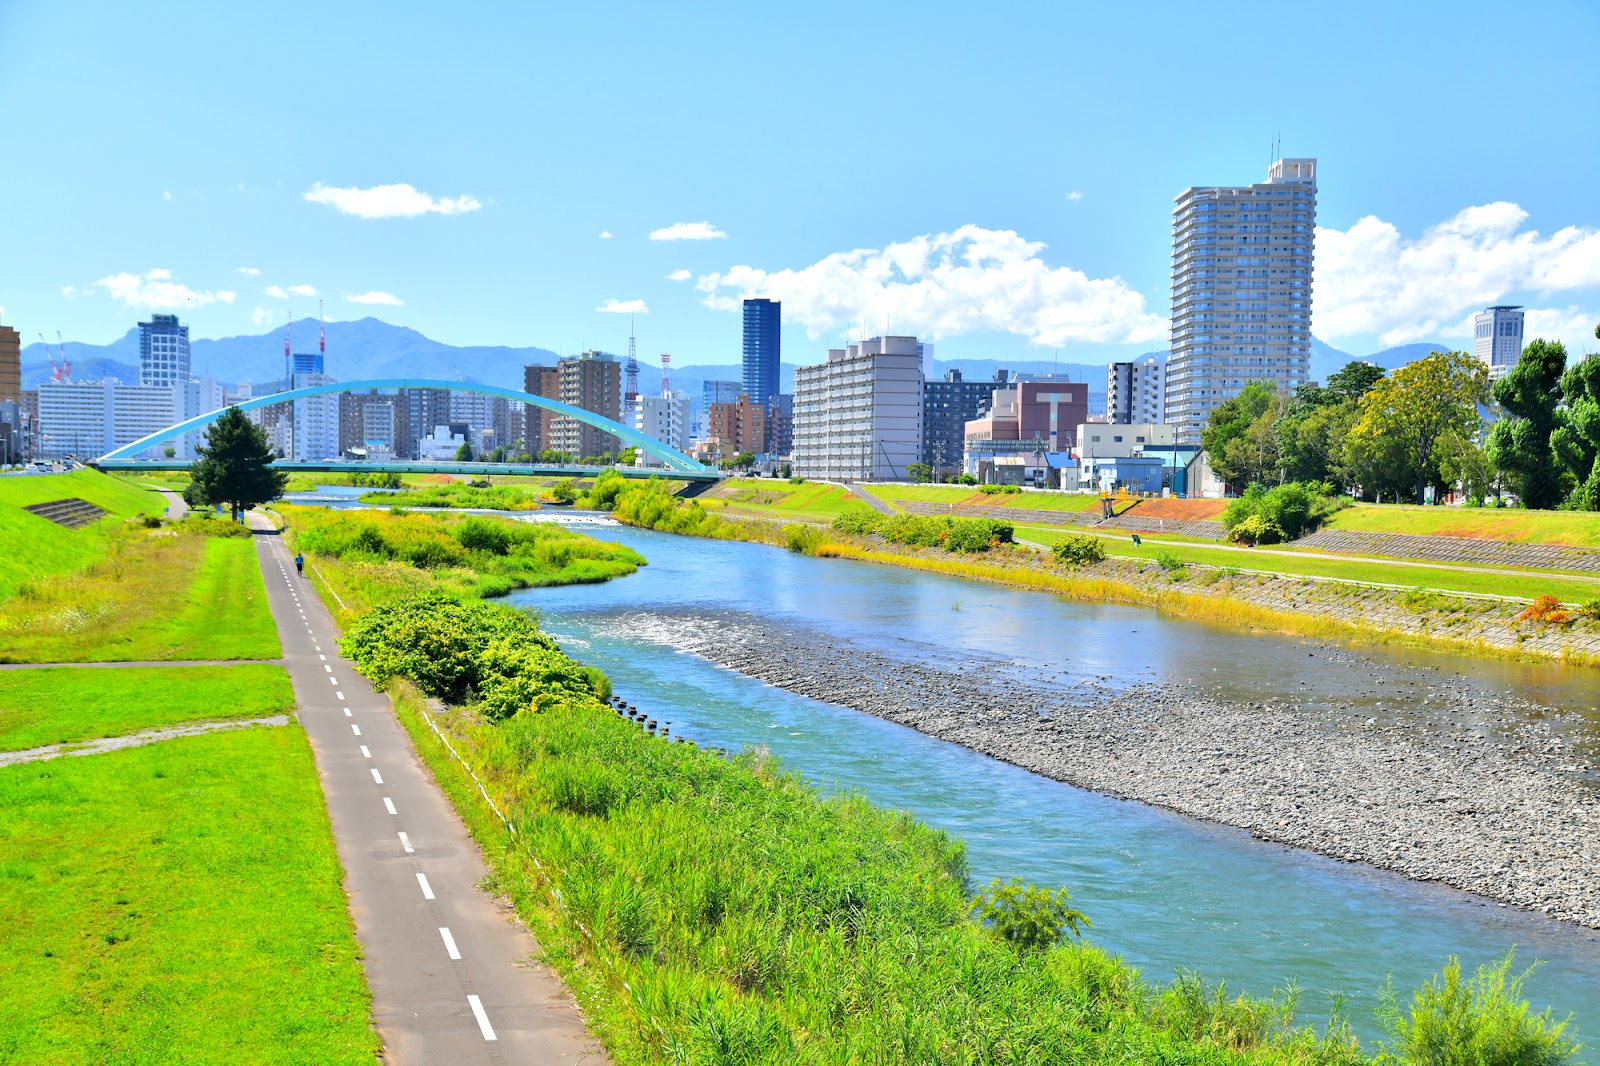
pixel 300 564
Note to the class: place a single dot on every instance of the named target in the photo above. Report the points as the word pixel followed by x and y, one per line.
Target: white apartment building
pixel 858 415
pixel 201 396
pixel 1122 440
pixel 482 414
pixel 316 421
pixel 163 351
pixel 1136 391
pixel 90 418
pixel 1241 291
pixel 1497 338
pixel 440 446
pixel 664 418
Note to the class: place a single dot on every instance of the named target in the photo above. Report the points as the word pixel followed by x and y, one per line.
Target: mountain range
pixel 371 348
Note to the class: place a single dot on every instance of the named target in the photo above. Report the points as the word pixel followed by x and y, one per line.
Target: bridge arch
pixel 671 457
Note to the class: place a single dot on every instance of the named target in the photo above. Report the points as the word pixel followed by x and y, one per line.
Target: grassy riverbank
pixel 460 495
pixel 60 705
pixel 36 548
pixel 177 902
pixel 361 559
pixel 152 595
pixel 721 911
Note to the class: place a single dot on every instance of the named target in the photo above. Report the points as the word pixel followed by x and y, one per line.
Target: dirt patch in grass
pixel 1178 510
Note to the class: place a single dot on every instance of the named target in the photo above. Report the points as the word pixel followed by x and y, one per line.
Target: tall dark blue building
pixel 763 354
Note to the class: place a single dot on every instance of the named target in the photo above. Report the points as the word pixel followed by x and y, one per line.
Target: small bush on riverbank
pixel 1078 549
pixel 999 490
pixel 1482 1021
pixel 1283 512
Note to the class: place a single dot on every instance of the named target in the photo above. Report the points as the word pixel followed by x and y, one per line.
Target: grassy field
pixel 1512 525
pixel 60 705
pixel 1571 589
pixel 154 595
pixel 37 548
pixel 780 500
pixel 177 902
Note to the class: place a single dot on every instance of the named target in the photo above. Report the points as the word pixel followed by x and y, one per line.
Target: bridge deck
pixel 483 469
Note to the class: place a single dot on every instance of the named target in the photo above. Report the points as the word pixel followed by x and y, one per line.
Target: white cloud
pixel 679 275
pixel 249 272
pixel 947 284
pixel 260 316
pixel 388 201
pixel 69 291
pixel 605 235
pixel 1572 326
pixel 166 196
pixel 155 290
pixel 624 307
pixel 388 299
pixel 1074 196
pixel 278 292
pixel 1370 280
pixel 688 231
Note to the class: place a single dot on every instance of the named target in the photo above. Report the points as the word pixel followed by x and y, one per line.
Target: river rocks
pixel 1493 800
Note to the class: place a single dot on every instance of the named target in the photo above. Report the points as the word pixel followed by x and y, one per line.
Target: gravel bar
pixel 1506 816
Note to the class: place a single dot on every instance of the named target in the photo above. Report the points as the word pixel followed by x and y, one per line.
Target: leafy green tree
pixel 1519 444
pixel 1241 436
pixel 1407 413
pixel 628 456
pixel 1028 917
pixel 234 466
pixel 919 472
pixel 1354 380
pixel 743 461
pixel 1575 442
pixel 464 453
pixel 1462 460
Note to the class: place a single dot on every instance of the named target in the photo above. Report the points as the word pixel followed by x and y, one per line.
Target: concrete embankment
pixel 1487 798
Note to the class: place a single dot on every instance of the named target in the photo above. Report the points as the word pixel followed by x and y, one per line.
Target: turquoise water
pixel 1165 891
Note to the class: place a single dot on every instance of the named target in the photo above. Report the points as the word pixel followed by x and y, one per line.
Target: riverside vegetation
pixel 714 910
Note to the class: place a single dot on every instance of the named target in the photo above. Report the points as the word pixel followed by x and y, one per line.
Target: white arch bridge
pixel 676 465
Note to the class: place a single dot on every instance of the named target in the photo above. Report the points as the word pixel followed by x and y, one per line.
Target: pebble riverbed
pixel 1492 799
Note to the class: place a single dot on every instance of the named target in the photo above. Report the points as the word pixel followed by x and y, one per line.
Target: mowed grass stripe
pixel 36 547
pixel 177 902
pixel 159 596
pixel 60 705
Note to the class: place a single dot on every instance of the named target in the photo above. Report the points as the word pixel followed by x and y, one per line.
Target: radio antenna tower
pixel 665 359
pixel 630 394
pixel 322 334
pixel 288 374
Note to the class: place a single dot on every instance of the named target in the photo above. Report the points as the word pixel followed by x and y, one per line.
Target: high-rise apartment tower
pixel 763 350
pixel 1135 391
pixel 1497 339
pixel 163 351
pixel 1241 291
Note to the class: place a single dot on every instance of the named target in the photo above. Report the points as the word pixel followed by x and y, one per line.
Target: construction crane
pixel 57 373
pixel 66 372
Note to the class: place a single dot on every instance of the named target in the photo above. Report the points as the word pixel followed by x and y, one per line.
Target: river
pixel 1166 892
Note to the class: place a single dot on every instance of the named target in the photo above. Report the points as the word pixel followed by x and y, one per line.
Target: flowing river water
pixel 1166 892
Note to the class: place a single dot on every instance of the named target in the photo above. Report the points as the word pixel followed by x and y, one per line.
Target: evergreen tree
pixel 464 453
pixel 1519 444
pixel 235 466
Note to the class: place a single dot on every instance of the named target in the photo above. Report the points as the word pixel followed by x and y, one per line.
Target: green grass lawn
pixel 36 548
pixel 161 596
pixel 811 501
pixel 1569 588
pixel 59 705
pixel 1512 525
pixel 178 902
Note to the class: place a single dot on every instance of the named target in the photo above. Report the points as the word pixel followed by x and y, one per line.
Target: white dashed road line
pixel 388 805
pixel 376 776
pixel 483 1019
pixel 405 842
pixel 355 729
pixel 365 754
pixel 449 943
pixel 427 889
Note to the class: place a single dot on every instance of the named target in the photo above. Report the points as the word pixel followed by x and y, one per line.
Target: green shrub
pixel 803 539
pixel 1255 529
pixel 1170 563
pixel 602 495
pixel 1079 549
pixel 1590 609
pixel 1286 511
pixel 921 531
pixel 998 490
pixel 857 521
pixel 1026 916
pixel 564 491
pixel 1484 1021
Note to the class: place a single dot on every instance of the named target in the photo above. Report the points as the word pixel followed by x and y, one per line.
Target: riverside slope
pixel 1509 821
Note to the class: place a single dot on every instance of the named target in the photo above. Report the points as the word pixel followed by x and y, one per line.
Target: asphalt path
pixel 449 966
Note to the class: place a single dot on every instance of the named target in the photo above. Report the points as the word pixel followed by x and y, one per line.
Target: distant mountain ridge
pixel 372 348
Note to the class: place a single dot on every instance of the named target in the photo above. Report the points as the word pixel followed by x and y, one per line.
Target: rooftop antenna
pixel 322 333
pixel 288 327
pixel 665 359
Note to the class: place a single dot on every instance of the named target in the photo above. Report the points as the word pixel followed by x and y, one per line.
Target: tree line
pixel 1435 423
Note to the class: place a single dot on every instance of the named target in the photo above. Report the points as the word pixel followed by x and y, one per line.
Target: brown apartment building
pixel 740 427
pixel 539 381
pixel 10 364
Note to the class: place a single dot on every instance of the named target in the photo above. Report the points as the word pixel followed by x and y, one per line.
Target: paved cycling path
pixel 448 966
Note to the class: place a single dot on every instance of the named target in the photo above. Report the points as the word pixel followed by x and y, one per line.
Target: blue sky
pixel 999 178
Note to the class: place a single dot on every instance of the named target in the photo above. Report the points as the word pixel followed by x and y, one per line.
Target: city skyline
pixel 494 212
